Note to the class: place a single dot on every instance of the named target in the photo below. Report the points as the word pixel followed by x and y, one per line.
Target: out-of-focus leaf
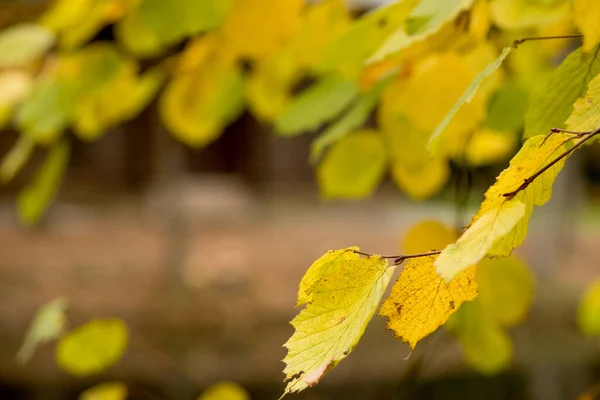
pixel 421 180
pixel 316 105
pixel 48 324
pixel 15 85
pixel 197 106
pixel 353 166
pixel 21 44
pixel 588 314
pixel 256 28
pixel 427 236
pixel 425 19
pixel 552 104
pixel 519 14
pixel 466 98
pixel 35 198
pixel 105 391
pixel 156 24
pixel 586 14
pixel 486 347
pixel 92 347
pixel 507 108
pixel 487 147
pixel 16 158
pixel 505 289
pixel 353 119
pixel 348 53
pixel 225 391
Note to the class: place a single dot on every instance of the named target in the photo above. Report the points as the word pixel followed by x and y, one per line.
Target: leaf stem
pixel 400 259
pixel 518 42
pixel 529 180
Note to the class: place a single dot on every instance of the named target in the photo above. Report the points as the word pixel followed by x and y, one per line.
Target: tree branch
pixel 518 42
pixel 585 136
pixel 400 259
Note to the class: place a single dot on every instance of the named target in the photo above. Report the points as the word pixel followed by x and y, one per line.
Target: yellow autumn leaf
pixel 519 14
pixel 353 167
pixel 487 147
pixel 196 106
pixel 92 347
pixel 342 301
pixel 480 20
pixel 588 312
pixel 586 14
pixel 501 223
pixel 586 110
pixel 426 236
pixel 421 300
pixel 105 391
pixel 477 241
pixel 505 289
pixel 421 180
pixel 256 28
pixel 225 391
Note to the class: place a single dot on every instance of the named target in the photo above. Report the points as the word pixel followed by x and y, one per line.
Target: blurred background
pixel 200 249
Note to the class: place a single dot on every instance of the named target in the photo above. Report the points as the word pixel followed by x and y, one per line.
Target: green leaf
pixel 353 119
pixel 344 300
pixel 505 289
pixel 353 167
pixel 426 18
pixel 553 103
pixel 16 158
pixel 105 391
pixel 21 44
pixel 466 97
pixel 48 324
pixel 157 24
pixel 316 105
pixel 481 236
pixel 36 197
pixel 92 347
pixel 507 108
pixel 225 391
pixel 348 53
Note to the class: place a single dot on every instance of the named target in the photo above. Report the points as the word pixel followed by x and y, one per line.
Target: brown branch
pixel 518 42
pixel 529 180
pixel 400 259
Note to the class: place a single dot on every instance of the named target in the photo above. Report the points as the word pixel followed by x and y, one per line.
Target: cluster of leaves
pixel 93 348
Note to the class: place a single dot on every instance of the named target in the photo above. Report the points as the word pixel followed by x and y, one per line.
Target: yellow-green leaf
pixel 505 289
pixel 481 236
pixel 422 179
pixel 92 347
pixel 427 236
pixel 105 391
pixel 316 105
pixel 507 108
pixel 156 24
pixel 553 103
pixel 588 314
pixel 353 167
pixel 343 301
pixel 487 147
pixel 48 324
pixel 486 347
pixel 501 223
pixel 16 158
pixel 196 106
pixel 520 14
pixel 225 391
pixel 466 97
pixel 21 44
pixel 586 14
pixel 421 300
pixel 425 19
pixel 586 110
pixel 348 53
pixel 35 198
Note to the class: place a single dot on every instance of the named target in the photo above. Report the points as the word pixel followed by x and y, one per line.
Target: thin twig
pixel 518 42
pixel 399 260
pixel 529 180
pixel 371 255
